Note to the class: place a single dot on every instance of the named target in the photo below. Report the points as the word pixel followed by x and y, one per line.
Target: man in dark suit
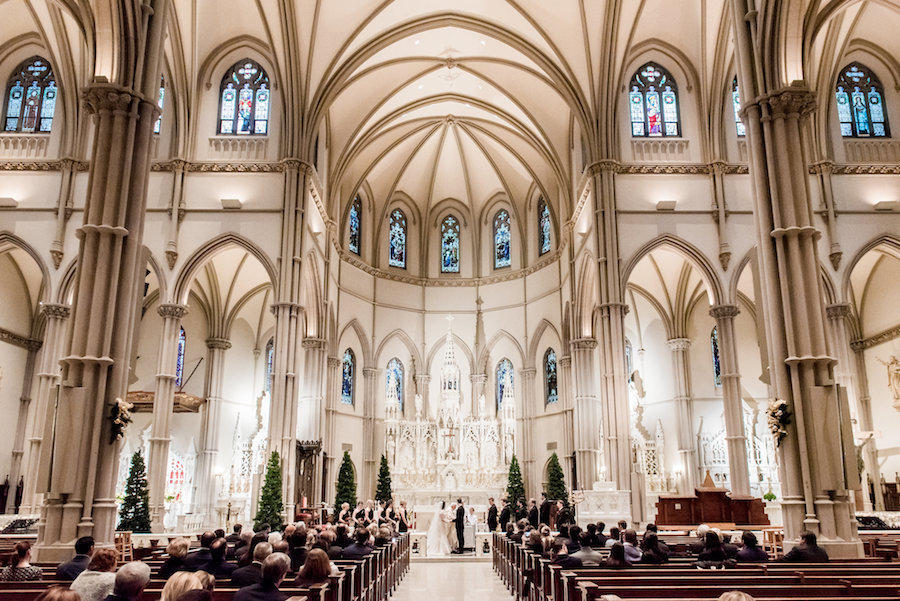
pixel 460 523
pixel 84 548
pixel 505 515
pixel 808 551
pixel 235 536
pixel 492 515
pixel 217 566
pixel 198 559
pixel 252 574
pixel 545 509
pixel 359 548
pixel 533 514
pixel 274 569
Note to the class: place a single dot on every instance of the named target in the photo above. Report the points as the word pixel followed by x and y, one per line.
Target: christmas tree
pixel 346 484
pixel 556 482
pixel 270 505
pixel 515 489
pixel 383 492
pixel 134 514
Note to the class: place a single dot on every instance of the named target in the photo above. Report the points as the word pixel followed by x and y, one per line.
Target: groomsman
pixel 505 514
pixel 533 514
pixel 545 509
pixel 460 522
pixel 492 515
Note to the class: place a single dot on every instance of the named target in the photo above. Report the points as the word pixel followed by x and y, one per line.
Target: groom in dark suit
pixel 460 522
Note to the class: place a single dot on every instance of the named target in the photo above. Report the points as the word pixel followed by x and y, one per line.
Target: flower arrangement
pixel 779 419
pixel 120 416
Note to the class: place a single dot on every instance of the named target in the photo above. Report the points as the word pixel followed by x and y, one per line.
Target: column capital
pixel 787 101
pixel 333 362
pixel 292 308
pixel 565 361
pixel 172 311
pixel 679 344
pixel 838 311
pixel 311 342
pixel 99 97
pixel 56 310
pixel 724 311
pixel 528 372
pixel 370 372
pixel 585 343
pixel 218 343
pixel 422 378
pixel 478 378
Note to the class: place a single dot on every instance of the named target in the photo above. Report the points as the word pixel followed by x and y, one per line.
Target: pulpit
pixel 710 505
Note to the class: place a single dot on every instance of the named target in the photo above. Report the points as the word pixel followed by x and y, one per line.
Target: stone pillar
pixel 309 419
pixel 684 413
pixel 283 403
pixel 478 381
pixel 370 444
pixel 813 469
pixel 163 404
pixel 110 270
pixel 738 468
pixel 566 450
pixel 587 431
pixel 204 479
pixel 18 451
pixel 43 411
pixel 422 385
pixel 616 420
pixel 524 435
pixel 332 446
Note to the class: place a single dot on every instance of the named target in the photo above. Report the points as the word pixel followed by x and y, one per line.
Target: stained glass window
pixel 397 240
pixel 860 103
pixel 501 239
pixel 31 97
pixel 544 226
pixel 270 363
pixel 653 102
pixel 348 377
pixel 179 358
pixel 736 103
pixel 395 366
pixel 629 359
pixel 717 366
pixel 550 382
pixel 450 245
pixel 244 100
pixel 159 102
pixel 504 368
pixel 355 227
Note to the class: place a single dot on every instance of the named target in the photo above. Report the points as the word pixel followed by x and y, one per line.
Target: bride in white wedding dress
pixel 438 541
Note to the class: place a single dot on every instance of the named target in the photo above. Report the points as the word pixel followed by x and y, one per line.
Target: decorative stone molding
pixel 872 151
pixel 333 362
pixel 292 308
pixel 29 344
pixel 724 311
pixel 311 342
pixel 478 378
pixel 370 372
pixel 565 361
pixel 172 311
pixel 55 310
pixel 867 169
pixel 584 343
pixel 110 97
pixel 222 344
pixel 788 101
pixel 219 166
pixel 659 149
pixel 242 148
pixel 679 344
pixel 879 338
pixel 26 146
pixel 838 311
pixel 528 372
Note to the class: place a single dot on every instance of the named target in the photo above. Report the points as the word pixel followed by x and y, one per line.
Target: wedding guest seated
pixel 219 533
pixel 131 580
pixel 731 550
pixel 359 548
pixel 559 555
pixel 176 550
pixel 20 567
pixel 298 549
pixel 235 537
pixel 274 569
pixel 240 547
pixel 98 580
pixel 587 554
pixel 807 551
pixel 207 581
pixel 315 569
pixel 651 527
pixel 652 550
pixel 179 584
pixel 245 555
pixel 751 552
pixel 510 531
pixel 712 548
pixel 632 551
pixel 698 546
pixel 342 539
pixel 616 557
pixel 327 542
pixel 217 565
pixel 521 525
pixel 199 558
pixel 252 573
pixel 623 525
pixel 613 537
pixel 281 546
pixel 573 540
pixel 69 570
pixel 58 593
pixel 596 538
pixel 735 596
pixel 384 537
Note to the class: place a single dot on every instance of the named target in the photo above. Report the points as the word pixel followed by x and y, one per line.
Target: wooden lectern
pixel 710 505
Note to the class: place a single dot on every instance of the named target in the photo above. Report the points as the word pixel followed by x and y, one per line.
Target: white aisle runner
pixel 451 581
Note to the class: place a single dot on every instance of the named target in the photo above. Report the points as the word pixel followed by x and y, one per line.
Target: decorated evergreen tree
pixel 383 491
pixel 515 488
pixel 134 513
pixel 556 482
pixel 346 484
pixel 270 504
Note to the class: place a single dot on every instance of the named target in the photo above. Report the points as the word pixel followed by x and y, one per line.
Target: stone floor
pixel 451 581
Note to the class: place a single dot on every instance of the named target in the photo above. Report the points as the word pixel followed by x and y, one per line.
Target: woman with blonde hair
pixel 207 580
pixel 98 580
pixel 179 584
pixel 58 593
pixel 177 551
pixel 735 596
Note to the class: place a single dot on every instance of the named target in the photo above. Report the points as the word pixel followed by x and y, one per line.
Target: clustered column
pixel 370 445
pixel 205 484
pixel 587 411
pixel 565 395
pixel 525 435
pixel 163 405
pixel 308 422
pixel 684 411
pixel 18 450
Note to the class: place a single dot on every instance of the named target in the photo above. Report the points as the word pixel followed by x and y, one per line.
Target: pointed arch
pixel 364 345
pixel 485 355
pixel 7 239
pixel 404 339
pixel 534 347
pixel 311 296
pixel 586 301
pixel 460 345
pixel 691 253
pixel 892 241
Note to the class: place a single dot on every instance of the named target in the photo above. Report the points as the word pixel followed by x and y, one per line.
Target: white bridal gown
pixel 438 542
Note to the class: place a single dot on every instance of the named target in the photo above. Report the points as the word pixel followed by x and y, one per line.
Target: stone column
pixel 370 445
pixel 684 412
pixel 43 411
pixel 738 468
pixel 587 431
pixel 204 479
pixel 566 451
pixel 309 419
pixel 524 435
pixel 422 382
pixel 283 403
pixel 15 469
pixel 478 381
pixel 332 446
pixel 163 404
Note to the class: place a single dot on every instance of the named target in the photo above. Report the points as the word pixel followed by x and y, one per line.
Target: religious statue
pixel 418 403
pixel 481 404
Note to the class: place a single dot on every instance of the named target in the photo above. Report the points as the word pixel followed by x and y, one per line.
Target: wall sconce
pixel 231 204
pixel 884 205
pixel 666 205
pixel 7 202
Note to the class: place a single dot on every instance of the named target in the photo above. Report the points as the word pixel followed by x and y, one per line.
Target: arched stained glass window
pixel 736 104
pixel 244 100
pixel 653 101
pixel 717 366
pixel 551 391
pixel 504 370
pixel 860 103
pixel 501 239
pixel 160 100
pixel 544 227
pixel 355 224
pixel 348 377
pixel 31 97
pixel 629 359
pixel 270 364
pixel 395 367
pixel 179 358
pixel 450 245
pixel 397 239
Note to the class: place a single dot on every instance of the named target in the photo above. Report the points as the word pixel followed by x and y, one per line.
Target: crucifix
pixel 449 437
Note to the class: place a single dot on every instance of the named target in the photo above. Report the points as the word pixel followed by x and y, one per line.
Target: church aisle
pixel 451 581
